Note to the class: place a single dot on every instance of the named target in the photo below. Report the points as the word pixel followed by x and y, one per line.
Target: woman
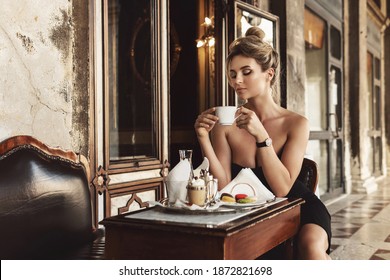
pixel 252 67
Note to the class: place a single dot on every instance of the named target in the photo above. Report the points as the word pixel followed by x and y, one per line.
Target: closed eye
pixel 246 72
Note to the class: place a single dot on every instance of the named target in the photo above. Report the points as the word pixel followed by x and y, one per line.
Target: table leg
pixel 289 250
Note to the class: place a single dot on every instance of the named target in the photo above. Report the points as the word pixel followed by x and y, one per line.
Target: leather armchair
pixel 45 201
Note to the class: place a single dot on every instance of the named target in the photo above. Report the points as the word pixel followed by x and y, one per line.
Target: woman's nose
pixel 238 79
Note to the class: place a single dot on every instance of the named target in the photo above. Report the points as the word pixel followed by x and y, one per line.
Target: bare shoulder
pixel 296 123
pixel 293 117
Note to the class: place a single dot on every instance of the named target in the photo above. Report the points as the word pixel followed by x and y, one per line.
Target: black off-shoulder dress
pixel 312 211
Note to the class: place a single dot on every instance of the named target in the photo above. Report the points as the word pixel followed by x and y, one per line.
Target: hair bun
pixel 255 31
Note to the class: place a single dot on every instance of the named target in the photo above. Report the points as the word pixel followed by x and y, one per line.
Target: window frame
pixel 137 163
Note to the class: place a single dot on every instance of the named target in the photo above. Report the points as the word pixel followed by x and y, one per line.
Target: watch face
pixel 268 142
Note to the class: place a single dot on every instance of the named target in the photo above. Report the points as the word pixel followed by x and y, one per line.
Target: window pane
pixel 336 164
pixel 131 97
pixel 335 87
pixel 335 43
pixel 377 108
pixel 314 30
pixel 370 87
pixel 378 156
pixel 316 72
pixel 377 68
pixel 378 3
pixel 185 96
pixel 371 155
pixel 319 153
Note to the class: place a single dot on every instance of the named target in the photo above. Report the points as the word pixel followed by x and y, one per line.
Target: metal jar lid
pixel 196 188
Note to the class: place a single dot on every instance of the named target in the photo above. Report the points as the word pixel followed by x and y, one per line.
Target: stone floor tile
pixel 361 225
pixel 353 252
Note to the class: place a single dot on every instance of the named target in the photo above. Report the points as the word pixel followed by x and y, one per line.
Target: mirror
pixel 247 16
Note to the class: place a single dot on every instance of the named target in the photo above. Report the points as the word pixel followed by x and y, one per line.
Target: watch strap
pixel 266 143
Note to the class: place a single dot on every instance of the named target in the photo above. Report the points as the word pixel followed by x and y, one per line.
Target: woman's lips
pixel 240 90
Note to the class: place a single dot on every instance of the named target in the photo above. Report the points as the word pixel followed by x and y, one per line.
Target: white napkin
pixel 181 171
pixel 177 179
pixel 247 182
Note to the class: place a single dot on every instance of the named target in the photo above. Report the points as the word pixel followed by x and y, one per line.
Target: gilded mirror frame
pixel 244 16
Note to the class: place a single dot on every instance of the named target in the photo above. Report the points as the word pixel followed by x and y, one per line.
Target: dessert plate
pixel 257 204
pixel 184 208
pixel 244 205
pixel 219 210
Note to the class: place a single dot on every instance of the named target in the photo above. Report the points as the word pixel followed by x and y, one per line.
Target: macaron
pixel 248 199
pixel 240 196
pixel 227 197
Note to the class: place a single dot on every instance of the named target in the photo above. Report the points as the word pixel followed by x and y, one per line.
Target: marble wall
pixel 295 61
pixel 41 89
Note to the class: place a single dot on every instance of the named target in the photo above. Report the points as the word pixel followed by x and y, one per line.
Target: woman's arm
pixel 216 149
pixel 279 173
pixel 220 167
pixel 282 173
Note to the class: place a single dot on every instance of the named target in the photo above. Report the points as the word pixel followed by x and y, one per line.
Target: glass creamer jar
pixel 197 192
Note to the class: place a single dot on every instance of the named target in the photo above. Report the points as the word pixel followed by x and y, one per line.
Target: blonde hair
pixel 252 45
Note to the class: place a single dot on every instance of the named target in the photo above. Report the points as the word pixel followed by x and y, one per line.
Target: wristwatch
pixel 267 143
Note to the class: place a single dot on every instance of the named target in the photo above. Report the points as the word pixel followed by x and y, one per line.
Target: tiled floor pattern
pixel 361 225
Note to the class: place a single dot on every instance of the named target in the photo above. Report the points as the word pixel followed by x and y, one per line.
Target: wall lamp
pixel 207 40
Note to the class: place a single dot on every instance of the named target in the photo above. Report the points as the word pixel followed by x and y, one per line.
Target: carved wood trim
pixel 101 180
pixel 15 143
pixel 133 198
pixel 165 168
pixel 157 187
pixel 134 184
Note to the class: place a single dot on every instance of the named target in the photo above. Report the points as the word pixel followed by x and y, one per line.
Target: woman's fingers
pixel 247 119
pixel 243 110
pixel 209 111
pixel 204 123
pixel 208 116
pixel 206 119
pixel 243 117
pixel 241 123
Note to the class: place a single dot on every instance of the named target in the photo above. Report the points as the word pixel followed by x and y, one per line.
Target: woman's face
pixel 247 77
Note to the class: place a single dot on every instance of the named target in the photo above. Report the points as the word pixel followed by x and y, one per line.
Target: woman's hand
pixel 205 122
pixel 249 121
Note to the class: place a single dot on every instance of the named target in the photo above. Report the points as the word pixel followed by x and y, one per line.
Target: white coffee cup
pixel 226 114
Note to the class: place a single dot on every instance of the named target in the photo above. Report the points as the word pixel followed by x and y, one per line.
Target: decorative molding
pixel 134 198
pixel 101 180
pixel 375 13
pixel 164 168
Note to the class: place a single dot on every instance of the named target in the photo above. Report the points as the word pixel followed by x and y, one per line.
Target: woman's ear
pixel 271 73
